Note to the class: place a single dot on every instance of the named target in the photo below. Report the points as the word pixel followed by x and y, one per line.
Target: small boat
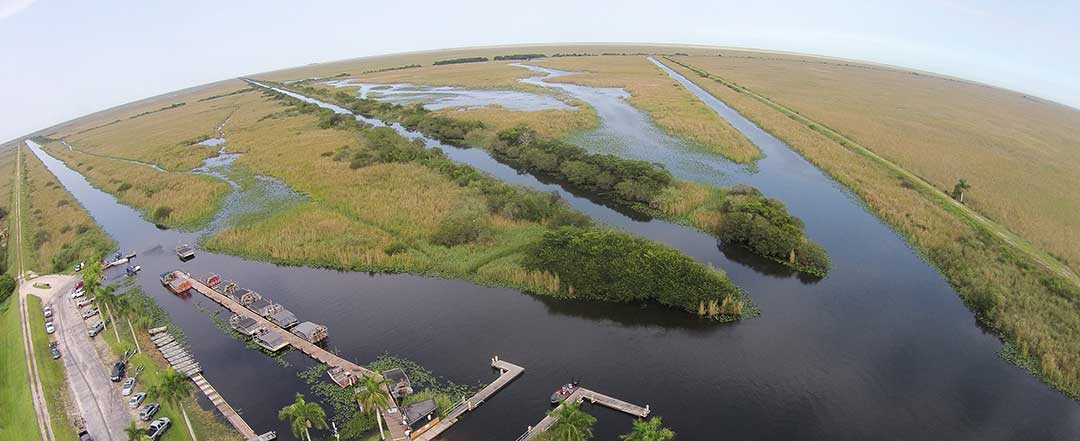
pixel 564 392
pixel 213 280
pixel 132 269
pixel 185 251
pixel 130 255
pixel 176 281
pixel 117 262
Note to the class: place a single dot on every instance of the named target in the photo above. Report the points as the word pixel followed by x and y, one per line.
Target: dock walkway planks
pixel 509 372
pixel 583 394
pixel 396 427
pixel 224 407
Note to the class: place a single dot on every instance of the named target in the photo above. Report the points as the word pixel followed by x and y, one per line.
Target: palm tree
pixel 134 433
pixel 573 424
pixel 651 430
pixel 174 387
pixel 959 189
pixel 372 393
pixel 303 415
pixel 92 275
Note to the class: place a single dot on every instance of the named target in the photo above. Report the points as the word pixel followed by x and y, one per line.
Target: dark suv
pixel 85 436
pixel 118 371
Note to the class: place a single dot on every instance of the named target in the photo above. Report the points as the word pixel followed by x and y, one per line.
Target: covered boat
pixel 176 281
pixel 185 251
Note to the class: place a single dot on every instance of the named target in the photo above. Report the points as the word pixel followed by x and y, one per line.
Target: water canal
pixel 881 349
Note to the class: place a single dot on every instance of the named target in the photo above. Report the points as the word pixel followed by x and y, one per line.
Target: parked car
pixel 85 436
pixel 79 285
pixel 49 328
pixel 95 329
pixel 118 370
pixel 54 351
pixel 128 387
pixel 47 310
pixel 85 302
pixel 157 428
pixel 136 399
pixel 77 292
pixel 148 411
pixel 90 313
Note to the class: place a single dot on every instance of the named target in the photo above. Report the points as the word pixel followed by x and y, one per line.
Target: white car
pixel 49 328
pixel 157 428
pixel 85 302
pixel 78 293
pixel 47 311
pixel 128 387
pixel 136 400
pixel 90 313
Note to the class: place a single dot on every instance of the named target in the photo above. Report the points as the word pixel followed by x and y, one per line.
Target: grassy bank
pixel 1036 310
pixel 51 372
pixel 58 232
pixel 177 200
pixel 17 421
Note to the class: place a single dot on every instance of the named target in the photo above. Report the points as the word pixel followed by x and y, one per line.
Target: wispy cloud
pixel 12 7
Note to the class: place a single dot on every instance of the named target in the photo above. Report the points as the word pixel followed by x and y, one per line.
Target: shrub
pixel 40 237
pixel 123 187
pixel 396 247
pixel 619 267
pixel 7 286
pixel 462 226
pixel 62 202
pixel 162 212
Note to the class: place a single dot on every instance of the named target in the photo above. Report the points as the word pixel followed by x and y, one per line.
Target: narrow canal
pixel 882 348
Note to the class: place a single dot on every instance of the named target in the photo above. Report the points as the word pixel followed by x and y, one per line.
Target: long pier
pixel 230 414
pixel 509 372
pixel 396 427
pixel 582 394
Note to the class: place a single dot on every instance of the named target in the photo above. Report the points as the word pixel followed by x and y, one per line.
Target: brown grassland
pixel 163 137
pixel 1037 312
pixel 671 106
pixel 1021 155
pixel 58 232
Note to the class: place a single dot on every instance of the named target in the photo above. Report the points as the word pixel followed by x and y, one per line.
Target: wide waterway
pixel 880 349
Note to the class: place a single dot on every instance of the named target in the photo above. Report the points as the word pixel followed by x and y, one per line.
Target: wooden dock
pixel 508 372
pixel 395 426
pixel 583 394
pixel 224 407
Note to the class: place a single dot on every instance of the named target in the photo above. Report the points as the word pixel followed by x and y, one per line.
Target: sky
pixel 63 59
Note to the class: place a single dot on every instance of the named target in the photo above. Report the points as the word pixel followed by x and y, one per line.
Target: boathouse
pixel 270 340
pixel 245 297
pixel 311 332
pixel 263 307
pixel 399 383
pixel 420 417
pixel 283 317
pixel 244 325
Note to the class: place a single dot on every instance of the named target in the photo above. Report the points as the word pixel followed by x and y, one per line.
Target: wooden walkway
pixel 509 372
pixel 224 407
pixel 395 426
pixel 583 394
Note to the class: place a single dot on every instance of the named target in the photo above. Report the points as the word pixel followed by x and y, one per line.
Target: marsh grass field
pixel 58 232
pixel 1035 310
pixel 1020 154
